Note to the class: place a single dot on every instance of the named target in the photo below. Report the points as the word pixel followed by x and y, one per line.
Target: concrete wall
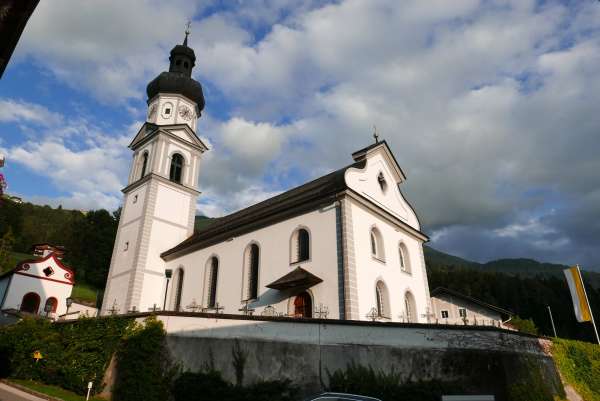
pixel 484 360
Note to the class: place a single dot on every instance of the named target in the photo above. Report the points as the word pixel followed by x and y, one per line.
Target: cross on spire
pixel 187 32
pixel 375 134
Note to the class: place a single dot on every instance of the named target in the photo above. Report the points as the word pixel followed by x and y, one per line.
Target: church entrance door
pixel 303 305
pixel 30 303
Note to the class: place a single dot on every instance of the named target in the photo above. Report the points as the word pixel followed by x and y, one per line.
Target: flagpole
pixel 588 303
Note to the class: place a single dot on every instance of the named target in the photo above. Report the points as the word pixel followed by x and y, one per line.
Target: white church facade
pixel 344 246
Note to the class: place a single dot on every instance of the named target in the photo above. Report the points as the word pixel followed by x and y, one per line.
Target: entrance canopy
pixel 297 279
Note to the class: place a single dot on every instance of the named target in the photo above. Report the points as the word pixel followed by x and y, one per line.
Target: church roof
pixel 179 77
pixel 297 278
pixel 283 206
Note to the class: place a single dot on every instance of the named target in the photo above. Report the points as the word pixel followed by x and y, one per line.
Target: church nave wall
pixel 274 262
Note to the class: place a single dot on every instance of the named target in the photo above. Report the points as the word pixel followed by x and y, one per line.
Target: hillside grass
pixel 14 259
pixel 579 364
pixel 84 293
pixel 52 391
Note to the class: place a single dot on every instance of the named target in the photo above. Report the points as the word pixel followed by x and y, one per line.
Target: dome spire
pixel 187 32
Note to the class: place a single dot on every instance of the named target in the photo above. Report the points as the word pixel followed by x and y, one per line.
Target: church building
pixel 347 245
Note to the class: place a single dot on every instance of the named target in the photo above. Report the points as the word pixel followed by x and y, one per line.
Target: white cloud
pixel 19 111
pixel 480 100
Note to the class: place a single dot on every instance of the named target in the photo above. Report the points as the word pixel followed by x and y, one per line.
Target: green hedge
pixel 144 367
pixel 73 353
pixel 388 386
pixel 579 363
pixel 210 385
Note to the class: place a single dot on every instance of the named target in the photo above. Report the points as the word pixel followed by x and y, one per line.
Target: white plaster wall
pixel 475 313
pixel 3 287
pixel 117 291
pixel 274 243
pixel 172 205
pixel 365 183
pixel 369 269
pixel 21 285
pixel 153 291
pixel 163 236
pixel 133 209
pixel 77 310
pixel 124 258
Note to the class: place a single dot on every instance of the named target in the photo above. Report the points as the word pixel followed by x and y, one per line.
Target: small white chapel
pixel 347 245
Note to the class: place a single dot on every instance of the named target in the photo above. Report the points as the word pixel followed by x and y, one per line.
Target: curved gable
pixel 49 268
pixel 379 181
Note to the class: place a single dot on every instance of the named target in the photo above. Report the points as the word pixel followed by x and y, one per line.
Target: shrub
pixel 358 379
pixel 524 325
pixel 144 367
pixel 210 385
pixel 73 353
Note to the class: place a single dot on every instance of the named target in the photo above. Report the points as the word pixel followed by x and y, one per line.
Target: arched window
pixel 410 309
pixel 251 262
pixel 404 258
pixel 300 246
pixel 176 168
pixel 144 164
pixel 52 304
pixel 212 276
pixel 377 249
pixel 178 289
pixel 382 300
pixel 30 303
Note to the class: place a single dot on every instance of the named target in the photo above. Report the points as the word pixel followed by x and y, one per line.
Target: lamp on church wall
pixel 69 302
pixel 168 275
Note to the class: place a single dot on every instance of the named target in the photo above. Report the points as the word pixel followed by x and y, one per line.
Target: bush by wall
pixel 210 385
pixel 144 367
pixel 579 363
pixel 359 379
pixel 72 354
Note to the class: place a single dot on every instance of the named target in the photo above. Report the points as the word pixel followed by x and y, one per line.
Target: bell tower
pixel 160 197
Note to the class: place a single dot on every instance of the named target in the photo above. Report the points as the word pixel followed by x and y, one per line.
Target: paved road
pixel 8 393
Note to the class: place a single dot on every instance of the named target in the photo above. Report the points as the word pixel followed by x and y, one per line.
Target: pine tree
pixel 6 246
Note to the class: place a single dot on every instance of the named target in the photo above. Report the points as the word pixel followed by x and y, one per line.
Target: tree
pixel 524 325
pixel 6 246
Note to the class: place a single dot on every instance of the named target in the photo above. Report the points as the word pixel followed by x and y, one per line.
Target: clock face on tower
pixel 185 112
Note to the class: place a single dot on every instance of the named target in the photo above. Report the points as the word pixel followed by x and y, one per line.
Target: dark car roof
pixel 341 396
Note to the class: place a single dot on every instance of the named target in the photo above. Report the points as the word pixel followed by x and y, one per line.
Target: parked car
pixel 340 397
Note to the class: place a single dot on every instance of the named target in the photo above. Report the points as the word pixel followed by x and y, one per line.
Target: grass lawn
pixel 53 391
pixel 84 293
pixel 579 363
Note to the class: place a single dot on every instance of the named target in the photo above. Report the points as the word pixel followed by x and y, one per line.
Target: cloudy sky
pixel 491 107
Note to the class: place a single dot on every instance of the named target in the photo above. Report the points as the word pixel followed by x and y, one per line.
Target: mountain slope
pixel 514 267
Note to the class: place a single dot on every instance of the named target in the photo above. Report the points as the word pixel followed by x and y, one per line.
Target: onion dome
pixel 179 77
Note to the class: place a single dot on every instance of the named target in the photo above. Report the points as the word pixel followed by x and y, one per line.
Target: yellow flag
pixel 583 312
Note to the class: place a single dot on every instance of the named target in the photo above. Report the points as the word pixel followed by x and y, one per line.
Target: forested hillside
pixel 88 237
pixel 524 292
